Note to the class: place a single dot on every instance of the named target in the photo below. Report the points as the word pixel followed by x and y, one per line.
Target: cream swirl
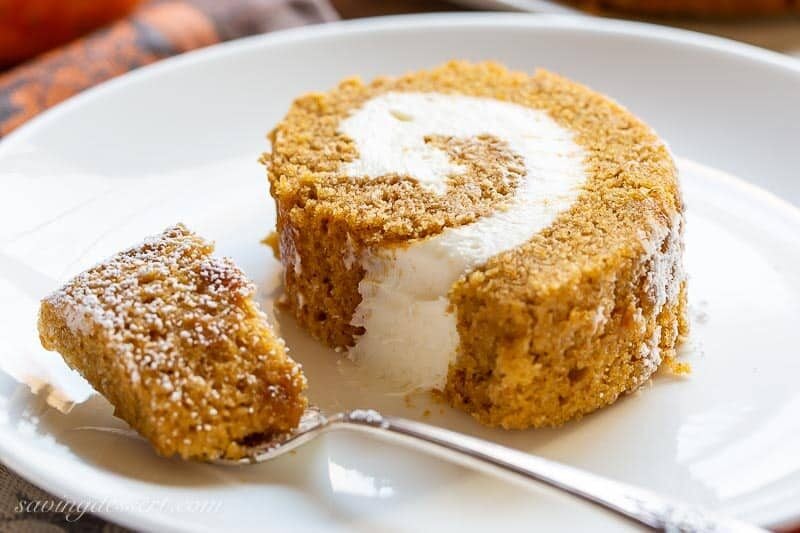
pixel 410 334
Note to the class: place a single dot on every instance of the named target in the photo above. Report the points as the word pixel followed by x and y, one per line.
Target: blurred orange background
pixel 29 27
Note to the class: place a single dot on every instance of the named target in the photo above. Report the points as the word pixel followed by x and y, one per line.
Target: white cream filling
pixel 410 336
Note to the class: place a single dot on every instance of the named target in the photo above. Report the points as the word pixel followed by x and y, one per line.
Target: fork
pixel 642 506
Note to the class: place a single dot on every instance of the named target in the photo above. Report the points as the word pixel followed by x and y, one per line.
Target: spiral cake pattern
pixel 513 241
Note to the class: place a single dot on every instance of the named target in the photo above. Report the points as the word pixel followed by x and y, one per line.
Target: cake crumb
pixel 271 240
pixel 408 400
pixel 677 368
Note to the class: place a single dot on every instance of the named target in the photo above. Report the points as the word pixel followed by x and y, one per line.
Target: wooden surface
pixel 350 9
pixel 781 33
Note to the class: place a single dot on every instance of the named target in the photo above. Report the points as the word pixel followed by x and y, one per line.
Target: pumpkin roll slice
pixel 513 241
pixel 172 337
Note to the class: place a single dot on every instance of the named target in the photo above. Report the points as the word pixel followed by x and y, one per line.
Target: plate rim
pixel 12 449
pixel 465 19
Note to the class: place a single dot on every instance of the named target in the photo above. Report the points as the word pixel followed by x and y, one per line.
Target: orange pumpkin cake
pixel 514 241
pixel 172 337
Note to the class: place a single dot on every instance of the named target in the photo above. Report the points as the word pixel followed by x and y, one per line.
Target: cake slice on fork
pixel 173 338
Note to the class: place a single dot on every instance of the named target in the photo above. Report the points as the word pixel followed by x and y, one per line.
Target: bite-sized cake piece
pixel 172 337
pixel 512 240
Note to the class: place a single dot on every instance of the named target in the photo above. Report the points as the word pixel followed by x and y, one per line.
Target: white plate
pixel 179 141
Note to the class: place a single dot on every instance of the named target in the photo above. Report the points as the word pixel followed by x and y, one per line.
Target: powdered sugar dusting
pixel 182 326
pixel 665 278
pixel 153 297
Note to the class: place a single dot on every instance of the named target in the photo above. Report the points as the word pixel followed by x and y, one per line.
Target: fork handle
pixel 639 505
